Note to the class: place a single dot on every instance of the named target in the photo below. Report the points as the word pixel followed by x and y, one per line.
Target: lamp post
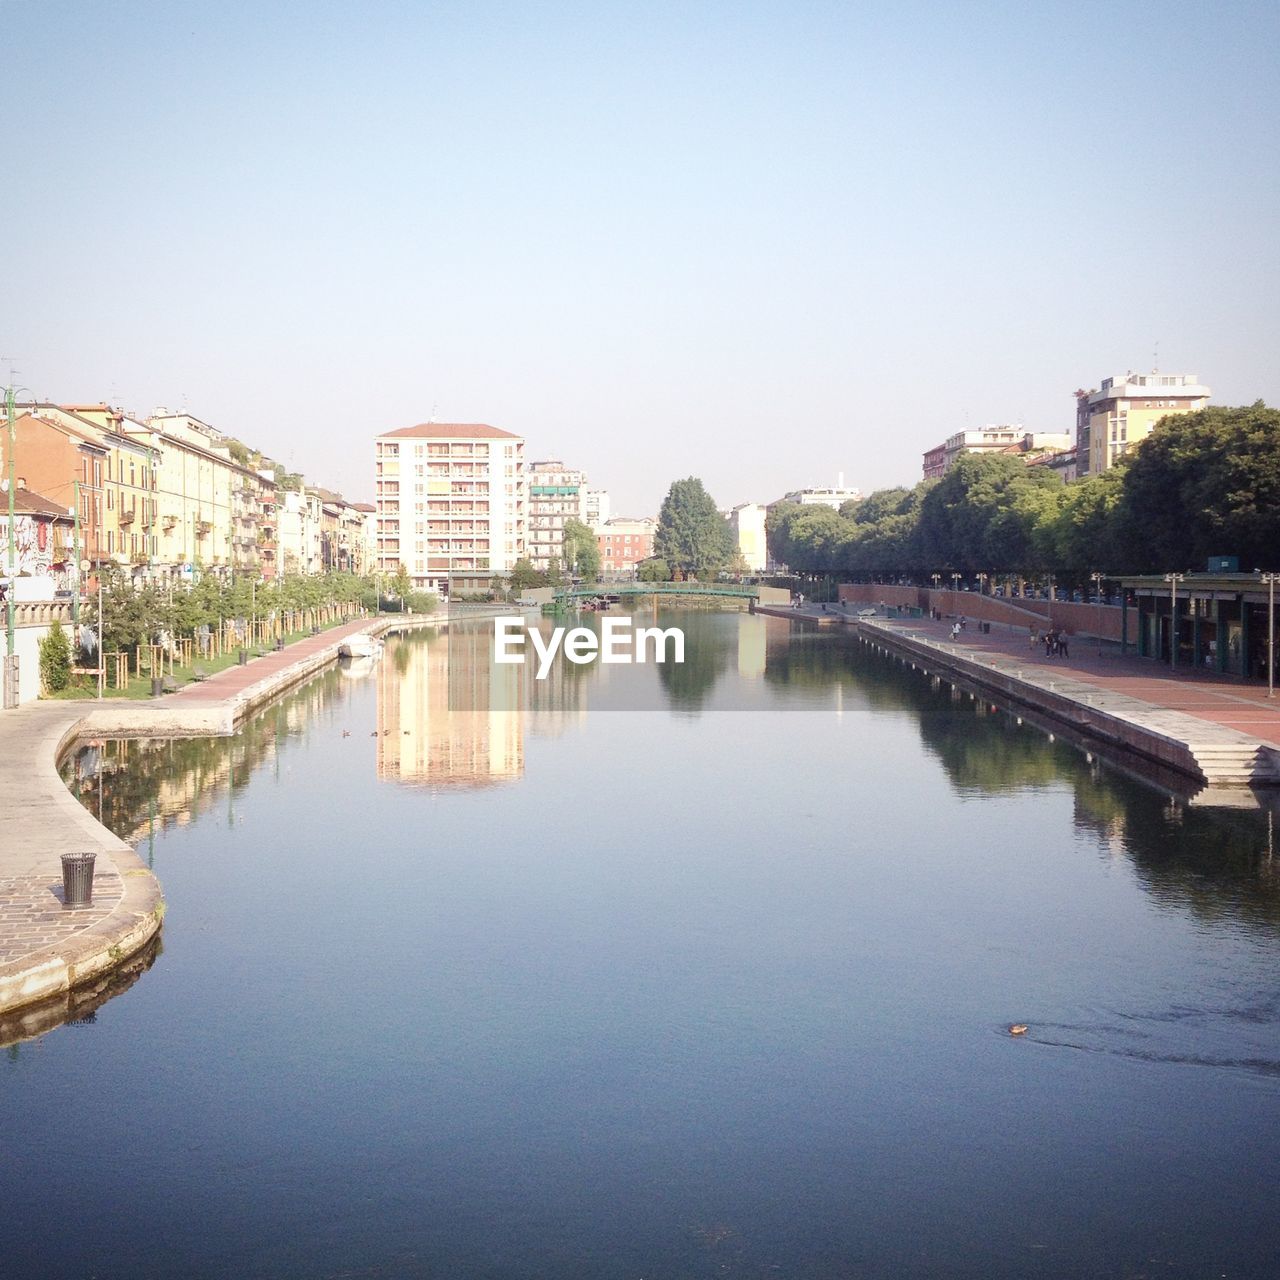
pixel 982 583
pixel 955 580
pixel 1173 579
pixel 1271 579
pixel 10 621
pixel 1097 591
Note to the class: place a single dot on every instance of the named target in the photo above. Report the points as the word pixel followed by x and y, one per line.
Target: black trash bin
pixel 244 657
pixel 157 686
pixel 279 645
pixel 77 879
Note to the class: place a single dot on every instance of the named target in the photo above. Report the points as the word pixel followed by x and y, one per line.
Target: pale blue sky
pixel 759 243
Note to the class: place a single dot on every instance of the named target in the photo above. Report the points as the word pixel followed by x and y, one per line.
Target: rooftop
pixel 451 431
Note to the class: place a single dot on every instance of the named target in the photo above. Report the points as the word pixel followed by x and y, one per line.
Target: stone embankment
pixel 47 953
pixel 1215 732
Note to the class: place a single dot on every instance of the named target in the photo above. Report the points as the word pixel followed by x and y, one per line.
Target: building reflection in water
pixel 447 714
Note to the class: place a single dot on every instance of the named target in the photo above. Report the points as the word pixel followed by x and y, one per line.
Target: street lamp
pixel 1271 579
pixel 982 583
pixel 1097 589
pixel 955 579
pixel 1173 579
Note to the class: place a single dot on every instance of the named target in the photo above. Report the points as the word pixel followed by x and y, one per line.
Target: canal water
pixel 720 987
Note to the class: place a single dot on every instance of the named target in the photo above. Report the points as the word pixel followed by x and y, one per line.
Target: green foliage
pixel 55 659
pixel 421 601
pixel 1206 483
pixel 524 576
pixel 581 551
pixel 655 569
pixel 1202 484
pixel 692 535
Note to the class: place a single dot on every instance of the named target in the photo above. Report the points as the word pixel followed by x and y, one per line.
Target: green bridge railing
pixel 582 591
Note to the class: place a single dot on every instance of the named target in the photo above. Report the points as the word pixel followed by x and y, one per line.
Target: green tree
pixel 55 659
pixel 1206 483
pixel 401 584
pixel 692 535
pixel 654 569
pixel 524 576
pixel 581 551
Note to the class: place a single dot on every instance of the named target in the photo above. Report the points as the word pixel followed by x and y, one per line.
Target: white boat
pixel 358 668
pixel 360 646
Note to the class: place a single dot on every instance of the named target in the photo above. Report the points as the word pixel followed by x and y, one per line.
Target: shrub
pixel 55 660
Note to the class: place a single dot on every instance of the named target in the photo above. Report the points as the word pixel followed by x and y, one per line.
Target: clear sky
pixel 758 243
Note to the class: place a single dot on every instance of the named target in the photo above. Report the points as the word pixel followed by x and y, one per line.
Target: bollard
pixel 77 879
pixel 243 657
pixel 157 686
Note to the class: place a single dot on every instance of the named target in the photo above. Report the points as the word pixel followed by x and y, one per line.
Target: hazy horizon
pixel 755 245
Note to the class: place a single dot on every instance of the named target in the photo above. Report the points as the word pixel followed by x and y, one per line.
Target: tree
pixel 55 659
pixel 1206 483
pixel 401 584
pixel 524 576
pixel 654 569
pixel 581 551
pixel 692 536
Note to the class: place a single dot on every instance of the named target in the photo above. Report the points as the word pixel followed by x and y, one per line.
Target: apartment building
pixel 1010 437
pixel 623 543
pixel 1124 411
pixel 595 508
pixel 66 464
pixel 746 528
pixel 451 504
pixel 556 493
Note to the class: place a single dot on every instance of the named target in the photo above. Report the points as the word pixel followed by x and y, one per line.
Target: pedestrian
pixel 1062 645
pixel 1048 644
pixel 955 631
pixel 963 622
pixel 1035 637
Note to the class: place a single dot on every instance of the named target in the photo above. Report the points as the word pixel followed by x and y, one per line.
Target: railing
pixel 737 591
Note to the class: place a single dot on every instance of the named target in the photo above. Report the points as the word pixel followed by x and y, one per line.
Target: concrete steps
pixel 1237 763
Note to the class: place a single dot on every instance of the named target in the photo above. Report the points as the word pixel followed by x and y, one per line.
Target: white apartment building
pixel 596 508
pixel 556 493
pixel 451 504
pixel 746 528
pixel 834 497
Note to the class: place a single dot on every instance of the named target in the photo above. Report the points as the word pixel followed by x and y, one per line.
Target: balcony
pixel 127 517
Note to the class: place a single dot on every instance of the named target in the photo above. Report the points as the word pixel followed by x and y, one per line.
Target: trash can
pixel 244 657
pixel 315 631
pixel 279 645
pixel 157 686
pixel 77 879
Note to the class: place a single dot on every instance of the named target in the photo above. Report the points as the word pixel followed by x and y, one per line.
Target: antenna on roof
pixel 1155 358
pixel 432 418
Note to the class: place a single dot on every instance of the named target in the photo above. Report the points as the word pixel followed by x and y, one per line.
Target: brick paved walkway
pixel 1233 704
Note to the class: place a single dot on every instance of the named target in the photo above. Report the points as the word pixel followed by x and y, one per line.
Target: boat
pixel 360 646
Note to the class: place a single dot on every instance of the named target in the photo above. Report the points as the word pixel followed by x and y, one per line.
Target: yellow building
pixel 1126 408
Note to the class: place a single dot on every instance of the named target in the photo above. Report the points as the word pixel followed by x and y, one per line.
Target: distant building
pixel 451 504
pixel 1060 461
pixel 1003 438
pixel 1125 409
pixel 623 543
pixel 556 493
pixel 595 508
pixel 746 528
pixel 834 497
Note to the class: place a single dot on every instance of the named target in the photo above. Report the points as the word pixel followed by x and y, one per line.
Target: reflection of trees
pixel 708 653
pixel 140 784
pixel 1217 863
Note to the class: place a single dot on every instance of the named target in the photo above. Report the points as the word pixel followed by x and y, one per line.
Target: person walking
pixel 1062 645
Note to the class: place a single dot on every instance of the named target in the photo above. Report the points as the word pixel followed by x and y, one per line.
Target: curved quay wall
pixel 46 953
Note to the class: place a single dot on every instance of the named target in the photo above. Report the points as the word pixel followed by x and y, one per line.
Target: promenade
pixel 1222 731
pixel 47 953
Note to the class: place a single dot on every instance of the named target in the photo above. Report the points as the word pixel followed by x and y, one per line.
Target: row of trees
pixel 134 616
pixel 1202 484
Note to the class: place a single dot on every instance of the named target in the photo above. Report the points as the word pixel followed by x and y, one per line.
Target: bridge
pixel 730 590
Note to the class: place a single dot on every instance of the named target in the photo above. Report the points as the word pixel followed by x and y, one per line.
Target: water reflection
pixel 1212 861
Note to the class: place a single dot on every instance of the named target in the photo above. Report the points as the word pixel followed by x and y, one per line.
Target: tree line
pixel 1202 484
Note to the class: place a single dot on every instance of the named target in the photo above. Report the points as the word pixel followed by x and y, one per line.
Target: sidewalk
pixel 1216 699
